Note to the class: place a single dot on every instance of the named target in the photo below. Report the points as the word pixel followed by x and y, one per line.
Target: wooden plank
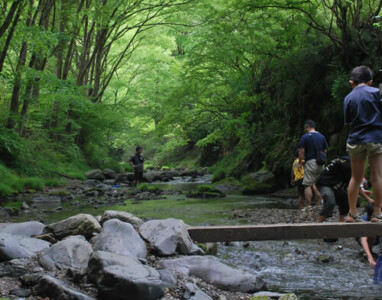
pixel 206 234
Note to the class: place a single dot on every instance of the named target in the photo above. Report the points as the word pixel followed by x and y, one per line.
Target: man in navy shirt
pixel 362 111
pixel 311 142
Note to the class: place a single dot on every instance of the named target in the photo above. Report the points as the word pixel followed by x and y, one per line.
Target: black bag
pixel 321 155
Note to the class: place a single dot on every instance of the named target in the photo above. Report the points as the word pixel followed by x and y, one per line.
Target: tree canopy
pixel 216 83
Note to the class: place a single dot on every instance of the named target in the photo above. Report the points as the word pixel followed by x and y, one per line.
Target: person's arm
pixel 131 163
pixel 292 181
pixel 365 246
pixel 365 196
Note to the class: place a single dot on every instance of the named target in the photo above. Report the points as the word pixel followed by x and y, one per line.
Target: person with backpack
pixel 313 148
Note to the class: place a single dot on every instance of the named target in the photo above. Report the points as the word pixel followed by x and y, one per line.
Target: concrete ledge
pixel 204 234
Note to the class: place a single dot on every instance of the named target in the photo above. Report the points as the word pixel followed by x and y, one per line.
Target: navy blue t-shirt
pixel 362 111
pixel 310 144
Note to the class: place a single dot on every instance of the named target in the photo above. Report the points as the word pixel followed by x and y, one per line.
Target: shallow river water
pixel 287 266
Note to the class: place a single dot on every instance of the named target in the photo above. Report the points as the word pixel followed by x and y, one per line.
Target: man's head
pixel 361 75
pixel 309 125
pixel 138 150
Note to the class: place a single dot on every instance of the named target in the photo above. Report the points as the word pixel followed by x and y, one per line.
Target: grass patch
pixel 206 191
pixel 152 188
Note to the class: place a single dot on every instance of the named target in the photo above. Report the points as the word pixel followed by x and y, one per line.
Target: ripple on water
pixel 293 267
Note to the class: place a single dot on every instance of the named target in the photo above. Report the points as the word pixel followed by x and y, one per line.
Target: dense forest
pixel 223 84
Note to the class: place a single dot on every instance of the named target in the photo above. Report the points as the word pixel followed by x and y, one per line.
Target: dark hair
pixel 310 123
pixel 361 74
pixel 138 148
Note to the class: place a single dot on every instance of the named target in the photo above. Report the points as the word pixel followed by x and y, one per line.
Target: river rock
pixel 47 200
pixel 95 174
pixel 212 271
pixel 16 267
pixel 168 278
pixel 53 288
pixel 91 182
pixel 15 246
pixel 119 276
pixel 81 224
pixel 192 292
pixel 110 174
pixel 260 182
pixel 24 229
pixel 122 216
pixel 166 237
pixel 120 238
pixel 70 253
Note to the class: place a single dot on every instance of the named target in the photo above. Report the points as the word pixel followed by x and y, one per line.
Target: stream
pixel 286 266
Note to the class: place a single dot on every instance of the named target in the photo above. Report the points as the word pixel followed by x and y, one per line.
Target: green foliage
pixel 12 183
pixel 251 187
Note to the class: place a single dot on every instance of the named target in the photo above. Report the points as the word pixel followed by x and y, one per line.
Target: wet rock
pixel 212 271
pixel 47 200
pixel 323 258
pixel 120 238
pixel 95 174
pixel 192 292
pixel 14 246
pixel 122 216
pixel 71 253
pixel 24 229
pixel 268 295
pixel 49 286
pixel 109 181
pixel 15 267
pixel 20 292
pixel 117 276
pixel 91 182
pixel 166 237
pixel 81 224
pixel 109 174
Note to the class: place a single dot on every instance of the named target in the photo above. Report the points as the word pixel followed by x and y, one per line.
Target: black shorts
pixel 138 175
pixel 300 188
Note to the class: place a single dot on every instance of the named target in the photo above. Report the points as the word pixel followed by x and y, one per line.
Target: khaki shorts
pixel 364 150
pixel 311 172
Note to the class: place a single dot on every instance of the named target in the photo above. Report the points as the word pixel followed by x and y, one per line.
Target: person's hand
pixel 372 261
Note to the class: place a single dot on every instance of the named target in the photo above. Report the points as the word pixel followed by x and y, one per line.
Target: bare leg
pixel 308 195
pixel 318 195
pixel 300 202
pixel 357 171
pixel 376 180
pixel 341 218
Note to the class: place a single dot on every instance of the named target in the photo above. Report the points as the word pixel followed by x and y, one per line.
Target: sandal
pixel 350 218
pixel 376 218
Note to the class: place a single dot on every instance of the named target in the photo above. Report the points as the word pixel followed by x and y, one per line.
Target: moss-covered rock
pixel 228 183
pixel 262 182
pixel 206 191
pixel 152 188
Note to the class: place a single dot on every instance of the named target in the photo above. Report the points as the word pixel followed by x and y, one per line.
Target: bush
pixel 218 175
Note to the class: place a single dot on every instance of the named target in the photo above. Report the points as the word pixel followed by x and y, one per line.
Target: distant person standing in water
pixel 311 144
pixel 137 162
pixel 362 111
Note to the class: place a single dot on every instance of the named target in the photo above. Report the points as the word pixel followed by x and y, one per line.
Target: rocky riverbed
pixel 115 256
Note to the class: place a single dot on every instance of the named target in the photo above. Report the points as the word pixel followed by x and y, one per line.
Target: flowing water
pixel 291 266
